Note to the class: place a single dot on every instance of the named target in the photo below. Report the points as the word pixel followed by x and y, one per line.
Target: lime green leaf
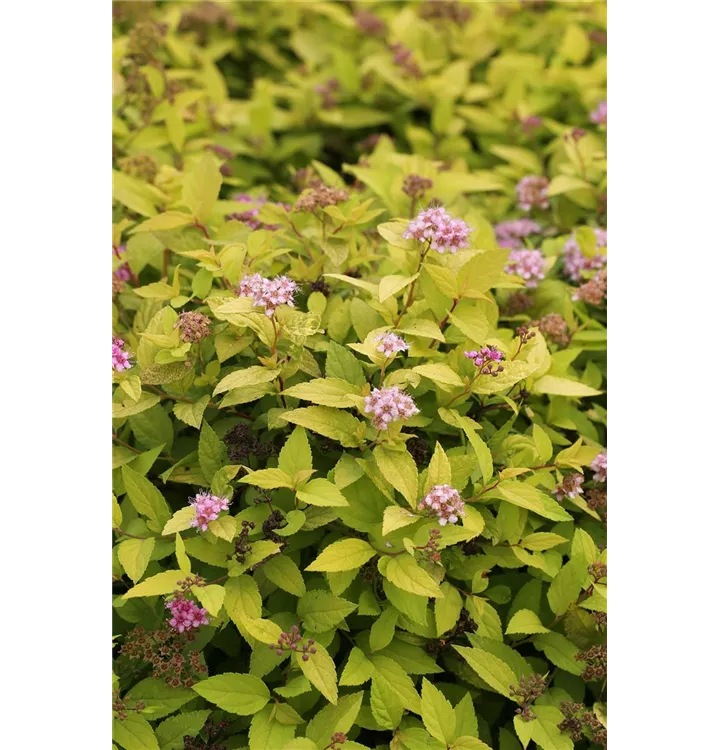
pixel 296 455
pixel 525 621
pixel 448 609
pixel 399 469
pixel 472 323
pixel 331 719
pixel 282 571
pixel 544 729
pixel 323 493
pixel 212 452
pixel 437 713
pixel 146 498
pixel 134 733
pixel 325 392
pixel 332 423
pixel 242 694
pixel 560 651
pixel 358 668
pixel 249 376
pixel 542 540
pixel 343 365
pixel 346 554
pixel 526 496
pixel 403 571
pixel 182 560
pixel 180 521
pixel 134 554
pixel 439 373
pixel 164 222
pixel 321 611
pixel 555 386
pixel 396 517
pixel 268 479
pixel 382 631
pixel 495 672
pixel 211 597
pixel 171 732
pixel 439 469
pixel 162 583
pixel 200 189
pixel 469 743
pixel 319 669
pixel 191 414
pixel 391 285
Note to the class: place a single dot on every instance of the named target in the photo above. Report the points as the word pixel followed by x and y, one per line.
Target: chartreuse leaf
pixel 180 521
pixel 146 498
pixel 200 189
pixel 396 518
pixel 160 699
pixel 560 651
pixel 448 609
pixel 386 705
pixel 134 733
pixel 241 378
pixel 171 732
pixel 439 470
pixel 282 571
pixel 267 731
pixel 211 597
pixel 134 554
pixel 437 713
pixel 191 414
pixel 319 669
pixel 332 719
pixel 321 611
pixel 242 694
pixel 182 559
pixel 399 469
pixel 332 423
pixel 325 392
pixel 346 554
pixel 542 540
pixel 358 668
pixel 323 493
pixel 568 583
pixel 296 455
pixel 382 631
pixel 268 479
pixel 525 621
pixel 404 571
pixel 157 585
pixel 212 452
pixel 544 729
pixel 469 743
pixel 495 672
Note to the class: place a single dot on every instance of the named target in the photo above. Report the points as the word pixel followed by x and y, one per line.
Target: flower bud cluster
pixel 531 192
pixel 290 642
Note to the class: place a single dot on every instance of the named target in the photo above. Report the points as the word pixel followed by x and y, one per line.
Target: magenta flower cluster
pixel 438 227
pixel 528 264
pixel 186 614
pixel 510 233
pixel 120 358
pixel 485 355
pixel 531 192
pixel 249 217
pixel 389 344
pixel 571 486
pixel 600 467
pixel 444 502
pixel 123 272
pixel 268 293
pixel 389 405
pixel 600 114
pixel 575 262
pixel 207 508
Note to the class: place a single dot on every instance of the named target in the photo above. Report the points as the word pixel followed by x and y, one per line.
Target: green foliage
pixel 416 635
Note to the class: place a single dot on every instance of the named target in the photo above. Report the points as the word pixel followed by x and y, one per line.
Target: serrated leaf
pixel 437 713
pixel 211 597
pixel 325 392
pixel 242 694
pixel 321 611
pixel 146 498
pixel 526 622
pixel 332 423
pixel 200 189
pixel 134 733
pixel 403 571
pixel 191 414
pixel 382 631
pixel 448 609
pixel 319 669
pixel 399 469
pixel 267 479
pixel 396 518
pixel 282 571
pixel 255 375
pixel 180 521
pixel 134 554
pixel 296 455
pixel 157 585
pixel 495 672
pixel 323 493
pixel 346 554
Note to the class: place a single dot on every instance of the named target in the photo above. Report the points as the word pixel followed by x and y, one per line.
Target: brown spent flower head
pixel 518 303
pixel 448 10
pixel 193 327
pixel 528 689
pixel 337 739
pixel 597 571
pixel 594 291
pixel 320 196
pixel 368 23
pixel 145 40
pixel 597 499
pixel 140 165
pixel 120 708
pixel 415 186
pixel 117 285
pixel 554 327
pixel 596 659
pixel 404 58
pixel 580 722
pixel 242 547
pixel 430 551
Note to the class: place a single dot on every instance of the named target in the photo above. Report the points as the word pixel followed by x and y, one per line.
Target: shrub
pixel 359 307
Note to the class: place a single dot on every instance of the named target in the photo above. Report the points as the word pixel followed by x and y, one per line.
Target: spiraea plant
pixel 359 293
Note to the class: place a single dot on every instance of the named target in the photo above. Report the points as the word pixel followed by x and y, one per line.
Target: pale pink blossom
pixel 120 358
pixel 569 487
pixel 207 508
pixel 600 467
pixel 440 229
pixel 444 502
pixel 531 192
pixel 268 293
pixel 389 405
pixel 527 264
pixel 510 233
pixel 389 344
pixel 575 262
pixel 600 114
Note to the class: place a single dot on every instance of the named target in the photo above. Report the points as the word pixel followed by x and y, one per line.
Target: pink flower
pixel 600 467
pixel 510 233
pixel 389 344
pixel 575 262
pixel 389 405
pixel 528 264
pixel 485 358
pixel 207 508
pixel 120 358
pixel 123 273
pixel 600 114
pixel 569 487
pixel 530 123
pixel 436 226
pixel 444 502
pixel 268 293
pixel 531 192
pixel 186 614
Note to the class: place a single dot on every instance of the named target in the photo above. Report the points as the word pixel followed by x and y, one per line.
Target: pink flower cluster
pixel 531 192
pixel 389 344
pixel 438 227
pixel 186 614
pixel 600 467
pixel 575 262
pixel 444 502
pixel 268 293
pixel 389 405
pixel 207 508
pixel 570 487
pixel 120 358
pixel 600 114
pixel 510 233
pixel 249 217
pixel 484 355
pixel 122 272
pixel 528 264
